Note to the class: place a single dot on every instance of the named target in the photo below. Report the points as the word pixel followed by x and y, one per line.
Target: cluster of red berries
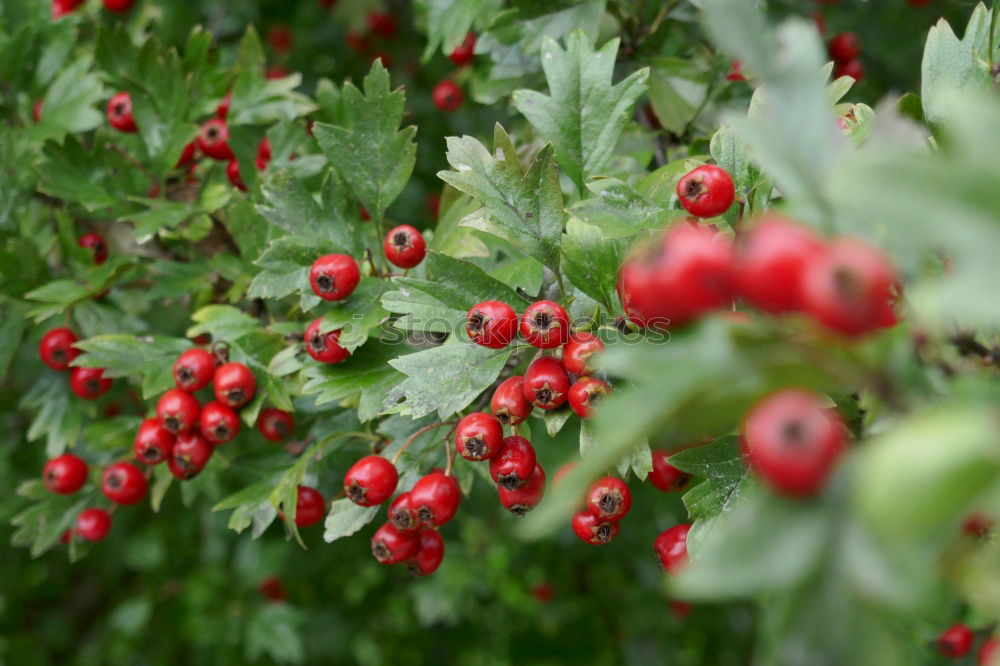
pixel 62 7
pixel 606 502
pixel 779 266
pixel 410 535
pixel 57 351
pixel 957 640
pixel 844 49
pixel 382 27
pixel 447 96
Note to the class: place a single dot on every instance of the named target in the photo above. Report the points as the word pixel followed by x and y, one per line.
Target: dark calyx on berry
pixel 401 240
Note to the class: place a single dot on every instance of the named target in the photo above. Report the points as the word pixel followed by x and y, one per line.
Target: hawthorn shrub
pixel 642 281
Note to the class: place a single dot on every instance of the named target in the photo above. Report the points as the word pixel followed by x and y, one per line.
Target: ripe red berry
pixel 852 68
pixel 849 287
pixel 95 243
pixel 334 276
pixel 272 589
pixel 263 154
pixel 234 385
pixel 671 548
pixel 36 110
pixel 92 524
pixel 219 423
pixel 584 395
pixel 56 348
pixel 508 402
pixel 120 113
pixel 478 436
pixel 679 278
pixel 522 499
pixel 274 424
pixel 918 4
pixel 955 641
pixel 402 515
pixel 989 653
pixel 370 481
pixel 190 455
pixel 792 441
pixel 491 324
pixel 609 499
pixel 382 24
pixel 65 474
pixel 233 174
pixel 193 370
pixel 735 71
pixel 514 463
pixel 429 555
pixel 222 111
pixel 213 139
pixel 977 525
pixel 153 443
pixel 435 497
pixel 323 347
pixel 310 507
pixel 447 96
pixel 187 157
pixel 465 52
pixel 706 191
pixel 123 483
pixel 577 352
pixel 844 46
pixel 592 529
pixel 546 383
pixel 404 246
pixel 545 325
pixel 118 6
pixel 356 42
pixel 89 383
pixel 390 546
pixel 772 262
pixel 665 476
pixel 178 410
pixel 279 38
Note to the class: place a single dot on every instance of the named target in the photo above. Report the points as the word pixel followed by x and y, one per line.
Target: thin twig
pixel 413 437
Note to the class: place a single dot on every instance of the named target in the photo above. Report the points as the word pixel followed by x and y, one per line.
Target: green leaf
pixel 619 211
pixel 721 467
pixel 522 207
pixel 367 372
pixel 151 358
pixel 274 631
pixel 293 208
pixel 358 315
pixel 286 263
pixel 444 379
pixel 591 262
pixel 678 89
pixel 222 322
pixel 245 503
pixel 449 21
pixel 346 518
pixel 68 105
pixel 555 419
pixel 60 416
pixel 369 152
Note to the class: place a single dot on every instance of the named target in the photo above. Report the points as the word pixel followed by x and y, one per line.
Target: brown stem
pixel 413 437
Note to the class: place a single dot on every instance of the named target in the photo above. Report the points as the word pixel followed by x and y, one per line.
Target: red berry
pixel 213 139
pixel 89 383
pixel 326 4
pixel 577 352
pixel 793 441
pixel 219 423
pixel 334 276
pixel 706 191
pixel 592 529
pixel 65 474
pixel 118 6
pixel 478 436
pixel 491 324
pixel 852 68
pixel 187 155
pixel 370 481
pixel 429 555
pixel 523 499
pixel 190 455
pixel 310 507
pixel 545 325
pixel 435 498
pixel 92 524
pixel 543 592
pixel 514 463
pixel 153 443
pixel 848 288
pixel 56 348
pixel 95 243
pixel 609 499
pixel 404 246
pixel 977 525
pixel 279 38
pixel 546 383
pixel 390 546
pixel 955 641
pixel 233 174
pixel 735 71
pixel 772 262
pixel 363 214
pixel 671 548
pixel 356 42
pixel 433 202
pixel 402 515
pixel 918 4
pixel 234 385
pixel 844 46
pixel 123 483
pixel 36 110
pixel 193 370
pixel 383 25
pixel 508 402
pixel 665 476
pixel 678 279
pixel 120 113
pixel 274 424
pixel 276 72
pixel 323 347
pixel 584 395
pixel 447 96
pixel 222 111
pixel 989 653
pixel 465 52
pixel 178 410
pixel 272 589
pixel 263 154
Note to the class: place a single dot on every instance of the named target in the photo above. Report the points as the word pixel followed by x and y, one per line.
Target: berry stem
pixel 412 438
pixel 449 455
